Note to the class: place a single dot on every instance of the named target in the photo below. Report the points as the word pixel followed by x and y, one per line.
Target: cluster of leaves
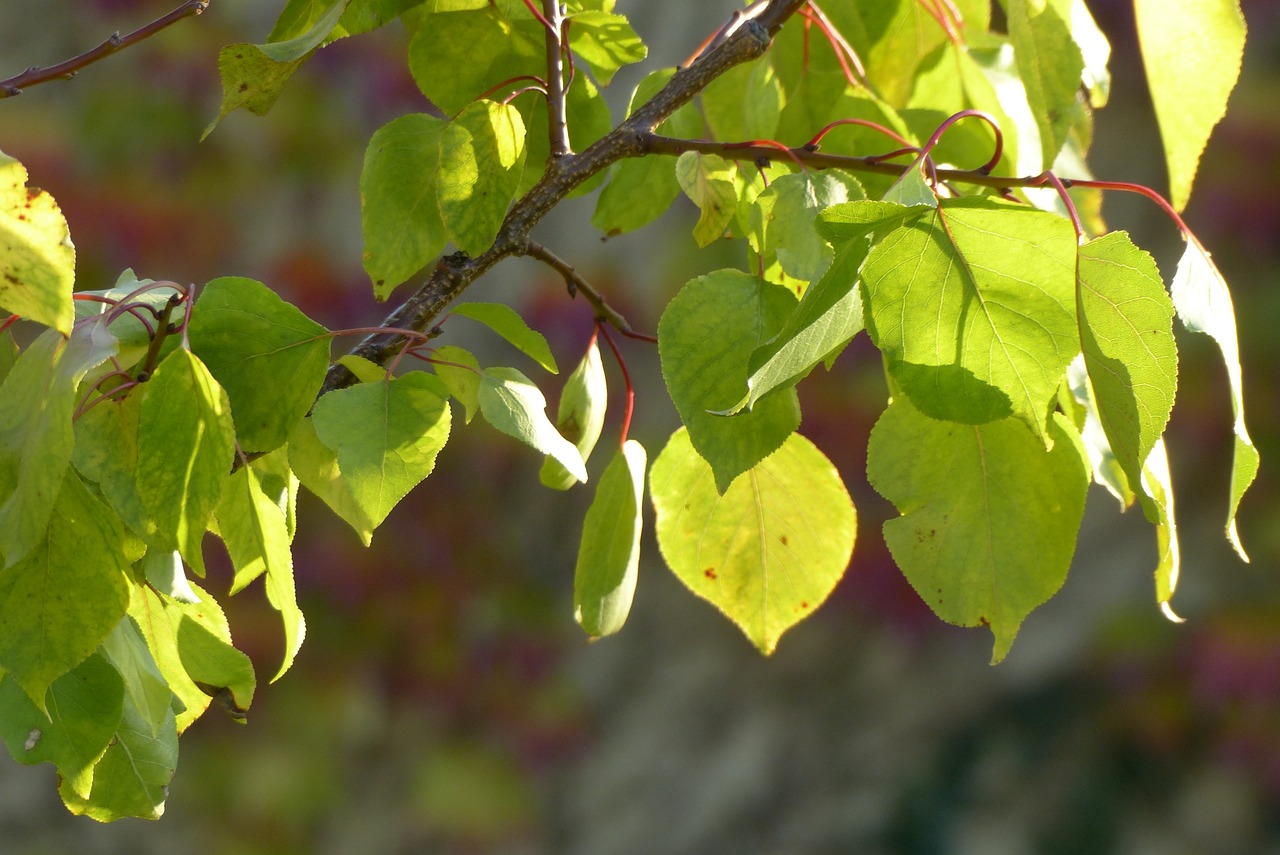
pixel 1028 350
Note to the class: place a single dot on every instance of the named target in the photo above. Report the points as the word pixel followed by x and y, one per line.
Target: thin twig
pixel 578 285
pixel 557 124
pixel 67 69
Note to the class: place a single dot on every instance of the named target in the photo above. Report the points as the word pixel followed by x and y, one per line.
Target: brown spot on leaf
pixel 710 573
pixel 782 538
pixel 243 87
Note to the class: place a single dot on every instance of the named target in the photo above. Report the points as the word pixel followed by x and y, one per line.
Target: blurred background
pixel 446 702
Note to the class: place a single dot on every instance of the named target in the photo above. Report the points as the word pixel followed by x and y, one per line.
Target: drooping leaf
pixel 1126 334
pixel 482 156
pixel 989 516
pixel 165 573
pixel 148 693
pixel 767 551
pixel 459 370
pixel 972 304
pixel 192 647
pixel 399 215
pixel 605 41
pixel 37 402
pixel 63 598
pixel 705 337
pixel 249 338
pixel 513 404
pixel 386 436
pixel 1107 471
pixel 1203 302
pixel 132 778
pixel 580 416
pixel 186 443
pixel 1050 64
pixel 1158 483
pixel 80 716
pixel 707 179
pixel 37 259
pixel 506 322
pixel 253 528
pixel 604 580
pixel 254 75
pixel 1192 50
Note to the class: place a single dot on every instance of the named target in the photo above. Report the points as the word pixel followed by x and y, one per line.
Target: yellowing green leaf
pixel 1192 51
pixel 989 517
pixel 316 466
pixel 580 416
pixel 707 179
pixel 482 156
pixel 399 215
pixel 37 259
pixel 249 338
pixel 604 580
pixel 1203 302
pixel 386 436
pixel 769 549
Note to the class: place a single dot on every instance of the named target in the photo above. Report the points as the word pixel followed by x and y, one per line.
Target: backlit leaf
pixel 606 42
pixel 580 415
pixel 784 215
pixel 768 550
pixel 1158 483
pixel 1192 51
pixel 132 778
pixel 481 160
pixel 989 517
pixel 1050 64
pixel 707 179
pixel 461 378
pixel 316 466
pixel 506 322
pixel 37 259
pixel 1203 302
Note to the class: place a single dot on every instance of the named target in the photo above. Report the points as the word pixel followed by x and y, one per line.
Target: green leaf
pixel 1192 51
pixel 249 339
pixel 456 56
pixel 707 179
pixel 37 259
pixel 580 416
pixel 253 527
pixel 192 648
pixel 744 103
pixel 640 189
pixel 1203 302
pixel 186 444
pixel 132 778
pixel 1050 64
pixel 767 551
pixel 399 216
pixel 513 404
pixel 506 322
pixel 972 304
pixel 81 713
pixel 254 75
pixel 37 402
pixel 8 354
pixel 386 436
pixel 911 189
pixel 606 42
pixel 784 215
pixel 365 15
pixel 989 517
pixel 165 573
pixel 481 160
pixel 705 337
pixel 59 602
pixel 588 118
pixel 1158 483
pixel 131 334
pixel 604 580
pixel 148 692
pixel 106 453
pixel 316 466
pixel 1126 333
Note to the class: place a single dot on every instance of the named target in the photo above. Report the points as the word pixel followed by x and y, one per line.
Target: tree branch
pixel 454 273
pixel 67 69
pixel 556 123
pixel 578 285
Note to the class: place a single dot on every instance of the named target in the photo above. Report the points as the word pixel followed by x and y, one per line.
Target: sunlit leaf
pixel 707 179
pixel 37 259
pixel 1050 64
pixel 605 41
pixel 604 580
pixel 768 550
pixel 506 322
pixel 1158 483
pixel 580 415
pixel 482 156
pixel 513 404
